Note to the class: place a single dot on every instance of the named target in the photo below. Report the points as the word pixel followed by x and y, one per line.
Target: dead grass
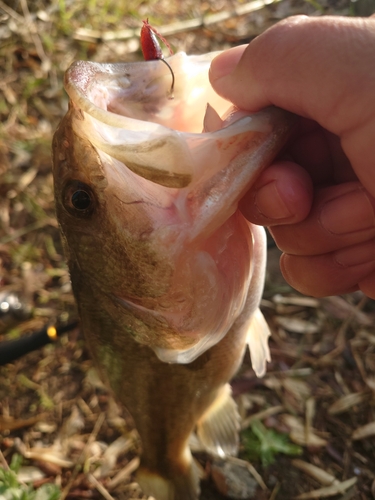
pixel 319 388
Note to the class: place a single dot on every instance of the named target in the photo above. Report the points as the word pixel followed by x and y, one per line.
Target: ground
pixel 316 402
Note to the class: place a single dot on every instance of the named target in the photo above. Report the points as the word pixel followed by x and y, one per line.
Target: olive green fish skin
pixel 75 158
pixel 165 400
pixel 143 287
pixel 114 258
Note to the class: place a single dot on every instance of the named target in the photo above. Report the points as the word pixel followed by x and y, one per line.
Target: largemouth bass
pixel 167 273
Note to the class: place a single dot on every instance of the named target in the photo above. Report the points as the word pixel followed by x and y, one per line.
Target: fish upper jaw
pixel 127 114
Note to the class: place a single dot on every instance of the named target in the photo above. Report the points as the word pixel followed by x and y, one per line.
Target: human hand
pixel 318 199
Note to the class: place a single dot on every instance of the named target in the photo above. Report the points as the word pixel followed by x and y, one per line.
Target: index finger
pixel 310 66
pixel 319 68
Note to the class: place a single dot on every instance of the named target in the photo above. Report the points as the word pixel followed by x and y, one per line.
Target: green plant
pixel 264 444
pixel 12 489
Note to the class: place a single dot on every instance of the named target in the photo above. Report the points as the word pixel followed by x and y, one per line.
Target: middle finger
pixel 341 216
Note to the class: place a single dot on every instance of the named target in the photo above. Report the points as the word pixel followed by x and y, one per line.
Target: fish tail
pixel 180 486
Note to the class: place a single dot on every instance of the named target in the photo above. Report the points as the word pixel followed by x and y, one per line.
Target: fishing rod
pixel 14 349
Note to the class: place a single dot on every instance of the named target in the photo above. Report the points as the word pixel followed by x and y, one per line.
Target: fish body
pixel 166 272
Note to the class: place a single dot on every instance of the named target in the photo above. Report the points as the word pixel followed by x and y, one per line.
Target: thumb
pixel 310 66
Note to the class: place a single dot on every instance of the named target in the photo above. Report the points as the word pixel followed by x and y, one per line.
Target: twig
pixel 275 491
pixel 340 341
pixel 329 491
pixel 4 463
pixel 310 413
pixel 77 468
pixel 10 11
pixel 46 63
pixel 261 415
pixel 27 229
pixel 178 27
pixel 258 478
pixel 103 491
pixel 124 473
pixel 341 335
pixel 15 424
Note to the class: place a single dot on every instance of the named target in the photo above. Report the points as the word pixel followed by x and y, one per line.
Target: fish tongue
pixel 213 122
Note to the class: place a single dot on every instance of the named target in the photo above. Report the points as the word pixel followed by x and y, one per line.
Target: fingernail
pixel 225 63
pixel 348 213
pixel 356 255
pixel 269 202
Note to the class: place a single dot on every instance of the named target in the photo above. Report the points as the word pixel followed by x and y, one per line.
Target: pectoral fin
pixel 218 428
pixel 257 340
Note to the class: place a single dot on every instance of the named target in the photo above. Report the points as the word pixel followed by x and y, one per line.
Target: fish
pixel 166 272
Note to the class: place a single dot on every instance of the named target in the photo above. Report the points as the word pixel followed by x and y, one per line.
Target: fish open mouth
pixel 118 93
pixel 175 170
pixel 131 116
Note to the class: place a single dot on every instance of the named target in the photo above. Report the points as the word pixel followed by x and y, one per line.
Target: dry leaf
pixel 296 300
pixel 111 454
pixel 29 473
pixel 124 473
pixel 365 431
pixel 261 415
pixel 233 479
pixel 296 325
pixel 346 402
pixel 315 472
pixel 370 381
pixel 299 388
pixel 299 435
pixel 342 309
pixel 329 491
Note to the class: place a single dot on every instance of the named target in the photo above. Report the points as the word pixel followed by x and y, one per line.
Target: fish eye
pixel 78 198
pixel 81 199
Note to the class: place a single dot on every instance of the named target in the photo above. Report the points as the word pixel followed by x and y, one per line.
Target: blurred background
pixel 309 425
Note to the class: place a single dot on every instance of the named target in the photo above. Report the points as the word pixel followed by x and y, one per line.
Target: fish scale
pixel 166 272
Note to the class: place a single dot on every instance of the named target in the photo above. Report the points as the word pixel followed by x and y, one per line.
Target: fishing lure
pixel 151 48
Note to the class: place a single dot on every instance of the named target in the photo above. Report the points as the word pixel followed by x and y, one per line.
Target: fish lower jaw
pixel 188 355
